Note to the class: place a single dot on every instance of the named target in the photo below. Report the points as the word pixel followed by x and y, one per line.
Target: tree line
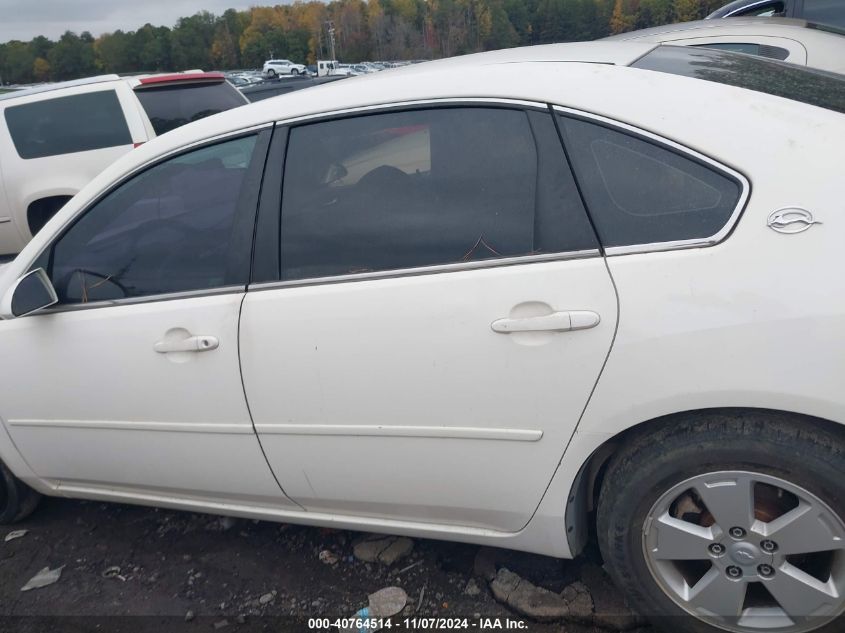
pixel 359 30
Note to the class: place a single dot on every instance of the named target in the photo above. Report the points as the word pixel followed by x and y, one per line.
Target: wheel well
pixel 583 498
pixel 41 210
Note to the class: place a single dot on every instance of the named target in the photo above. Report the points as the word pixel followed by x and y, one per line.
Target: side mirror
pixel 30 293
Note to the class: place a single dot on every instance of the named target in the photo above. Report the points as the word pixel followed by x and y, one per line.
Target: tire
pixel 789 463
pixel 294 72
pixel 17 500
pixel 271 73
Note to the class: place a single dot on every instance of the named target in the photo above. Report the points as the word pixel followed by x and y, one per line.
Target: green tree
pixel 686 10
pixel 72 56
pixel 16 62
pixel 116 52
pixel 191 40
pixel 622 19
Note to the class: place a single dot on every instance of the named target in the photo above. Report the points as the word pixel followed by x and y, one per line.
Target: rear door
pixel 422 341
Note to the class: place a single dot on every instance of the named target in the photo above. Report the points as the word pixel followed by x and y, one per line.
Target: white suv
pixel 273 67
pixel 54 139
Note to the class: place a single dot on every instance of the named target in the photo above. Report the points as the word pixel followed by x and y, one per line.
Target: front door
pixel 131 385
pixel 441 317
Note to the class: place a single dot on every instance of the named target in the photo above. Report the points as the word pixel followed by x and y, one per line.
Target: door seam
pixel 249 411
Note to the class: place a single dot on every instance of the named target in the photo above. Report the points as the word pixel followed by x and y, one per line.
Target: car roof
pixel 739 26
pixel 592 77
pixel 146 80
pixel 59 86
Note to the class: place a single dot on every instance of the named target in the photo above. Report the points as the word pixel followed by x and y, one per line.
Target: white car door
pixel 130 386
pixel 427 341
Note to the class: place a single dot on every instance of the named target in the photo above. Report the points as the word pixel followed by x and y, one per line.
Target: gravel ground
pixel 199 572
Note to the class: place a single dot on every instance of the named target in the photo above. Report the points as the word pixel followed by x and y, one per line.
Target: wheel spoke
pixel 804 530
pixel 680 540
pixel 799 594
pixel 729 500
pixel 718 595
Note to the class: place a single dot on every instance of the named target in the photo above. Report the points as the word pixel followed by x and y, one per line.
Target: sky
pixel 24 19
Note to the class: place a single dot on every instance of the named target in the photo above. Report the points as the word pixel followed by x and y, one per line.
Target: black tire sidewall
pixel 10 504
pixel 636 481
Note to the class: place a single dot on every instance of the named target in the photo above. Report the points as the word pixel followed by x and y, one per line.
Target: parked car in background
pixel 610 268
pixel 830 12
pixel 275 67
pixel 57 137
pixel 791 40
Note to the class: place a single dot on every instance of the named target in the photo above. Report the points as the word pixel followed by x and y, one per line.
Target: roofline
pixel 59 86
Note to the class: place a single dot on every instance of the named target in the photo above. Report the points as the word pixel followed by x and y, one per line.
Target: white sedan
pixel 795 41
pixel 451 304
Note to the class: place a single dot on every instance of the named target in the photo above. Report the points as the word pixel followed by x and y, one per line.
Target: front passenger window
pixel 166 230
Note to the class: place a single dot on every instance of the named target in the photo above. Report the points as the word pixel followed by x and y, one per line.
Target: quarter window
pixel 78 123
pixel 426 187
pixel 170 229
pixel 639 192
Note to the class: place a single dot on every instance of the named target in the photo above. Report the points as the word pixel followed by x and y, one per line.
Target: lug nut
pixel 716 549
pixel 734 572
pixel 768 546
pixel 766 571
pixel 737 532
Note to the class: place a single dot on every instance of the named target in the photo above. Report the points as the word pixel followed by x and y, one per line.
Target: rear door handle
pixel 190 344
pixel 554 322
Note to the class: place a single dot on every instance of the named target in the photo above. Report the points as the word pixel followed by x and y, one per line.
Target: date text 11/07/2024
pixel 423 623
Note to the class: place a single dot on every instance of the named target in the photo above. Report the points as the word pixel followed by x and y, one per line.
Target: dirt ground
pixel 128 568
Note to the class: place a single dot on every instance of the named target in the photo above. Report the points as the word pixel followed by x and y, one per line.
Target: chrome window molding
pixel 697 242
pixel 400 105
pixel 128 301
pixel 425 270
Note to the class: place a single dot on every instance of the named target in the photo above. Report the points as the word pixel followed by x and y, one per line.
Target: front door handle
pixel 189 344
pixel 554 322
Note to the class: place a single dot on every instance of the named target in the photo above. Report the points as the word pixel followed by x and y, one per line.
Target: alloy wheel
pixel 748 552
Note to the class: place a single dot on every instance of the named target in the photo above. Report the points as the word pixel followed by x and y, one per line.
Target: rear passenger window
pixel 426 187
pixel 64 125
pixel 639 192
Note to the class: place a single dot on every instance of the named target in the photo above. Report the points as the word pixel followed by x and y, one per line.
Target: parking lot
pixel 202 572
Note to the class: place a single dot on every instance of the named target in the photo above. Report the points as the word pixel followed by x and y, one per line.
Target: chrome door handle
pixel 190 344
pixel 554 322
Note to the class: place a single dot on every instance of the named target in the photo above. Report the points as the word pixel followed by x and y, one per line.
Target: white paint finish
pixel 95 403
pixel 419 352
pixel 751 322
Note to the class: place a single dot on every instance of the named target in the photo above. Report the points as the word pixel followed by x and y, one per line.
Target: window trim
pixel 686 152
pixel 400 106
pixel 182 294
